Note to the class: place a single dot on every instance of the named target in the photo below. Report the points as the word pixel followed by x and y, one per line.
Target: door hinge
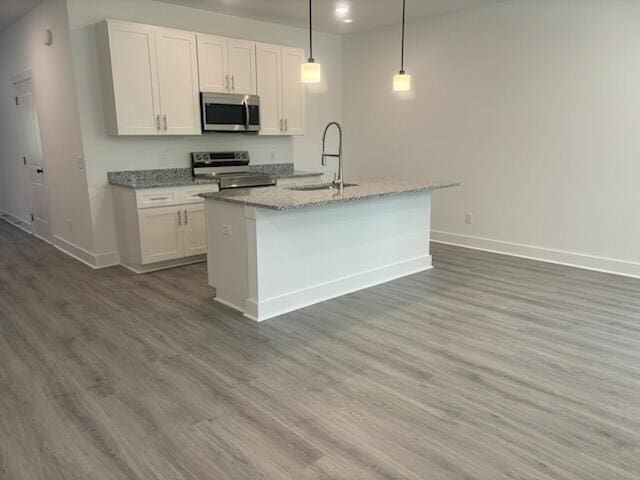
pixel 32 217
pixel 17 101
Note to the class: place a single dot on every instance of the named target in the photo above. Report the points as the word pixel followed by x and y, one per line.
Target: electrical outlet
pixel 163 160
pixel 227 230
pixel 69 226
pixel 273 157
pixel 80 160
pixel 468 218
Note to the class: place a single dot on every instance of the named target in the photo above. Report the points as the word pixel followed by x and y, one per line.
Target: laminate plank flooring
pixel 488 367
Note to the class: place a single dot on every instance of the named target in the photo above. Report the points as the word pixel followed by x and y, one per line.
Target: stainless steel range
pixel 231 169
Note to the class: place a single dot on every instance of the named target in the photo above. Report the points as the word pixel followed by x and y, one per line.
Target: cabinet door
pixel 213 64
pixel 242 66
pixel 194 229
pixel 293 92
pixel 269 72
pixel 178 80
pixel 132 52
pixel 160 234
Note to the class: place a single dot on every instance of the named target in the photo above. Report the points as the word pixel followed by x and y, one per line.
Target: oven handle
pixel 246 114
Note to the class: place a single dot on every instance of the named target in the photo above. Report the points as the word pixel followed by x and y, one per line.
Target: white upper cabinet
pixel 293 98
pixel 226 65
pixel 242 66
pixel 178 75
pixel 282 95
pixel 213 63
pixel 132 100
pixel 269 66
pixel 151 80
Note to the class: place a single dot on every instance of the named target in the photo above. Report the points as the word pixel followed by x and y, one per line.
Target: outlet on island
pixel 227 230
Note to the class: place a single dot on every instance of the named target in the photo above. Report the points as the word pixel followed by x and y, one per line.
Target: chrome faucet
pixel 338 178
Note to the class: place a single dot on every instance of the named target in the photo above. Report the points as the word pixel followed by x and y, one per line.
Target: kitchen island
pixel 277 249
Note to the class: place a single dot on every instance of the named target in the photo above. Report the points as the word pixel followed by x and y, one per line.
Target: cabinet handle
pixel 226 82
pixel 158 122
pixel 166 123
pixel 158 199
pixel 286 124
pixel 233 83
pixel 282 125
pixel 186 217
pixel 179 217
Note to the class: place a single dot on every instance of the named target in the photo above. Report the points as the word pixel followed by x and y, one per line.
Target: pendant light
pixel 310 71
pixel 402 81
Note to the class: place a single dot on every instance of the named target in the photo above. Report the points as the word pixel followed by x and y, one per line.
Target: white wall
pixel 104 153
pixel 533 105
pixel 21 49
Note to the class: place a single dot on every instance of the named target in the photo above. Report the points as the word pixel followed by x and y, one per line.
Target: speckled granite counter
pixel 283 198
pixel 179 177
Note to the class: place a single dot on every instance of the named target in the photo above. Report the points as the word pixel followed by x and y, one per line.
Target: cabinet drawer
pixel 157 197
pixel 190 194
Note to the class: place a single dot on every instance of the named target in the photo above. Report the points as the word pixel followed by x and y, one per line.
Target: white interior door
pixel 213 64
pixel 293 92
pixel 242 66
pixel 269 71
pixel 135 78
pixel 31 153
pixel 178 80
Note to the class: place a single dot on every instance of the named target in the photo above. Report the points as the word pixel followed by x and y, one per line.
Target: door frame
pixel 20 83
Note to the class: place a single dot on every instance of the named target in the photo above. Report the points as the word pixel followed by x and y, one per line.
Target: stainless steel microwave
pixel 222 112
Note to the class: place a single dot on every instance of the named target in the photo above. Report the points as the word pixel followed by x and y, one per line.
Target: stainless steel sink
pixel 321 186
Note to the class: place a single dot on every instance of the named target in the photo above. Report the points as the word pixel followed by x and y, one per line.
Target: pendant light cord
pixel 310 34
pixel 402 47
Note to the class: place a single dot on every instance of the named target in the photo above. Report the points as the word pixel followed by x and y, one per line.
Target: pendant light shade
pixel 310 72
pixel 402 81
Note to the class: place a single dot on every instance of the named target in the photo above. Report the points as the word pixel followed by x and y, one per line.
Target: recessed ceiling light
pixel 342 10
pixel 348 20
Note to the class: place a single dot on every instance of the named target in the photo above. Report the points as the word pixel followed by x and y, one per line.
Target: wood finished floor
pixel 486 368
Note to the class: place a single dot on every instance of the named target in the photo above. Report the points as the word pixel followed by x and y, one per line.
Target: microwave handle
pixel 246 114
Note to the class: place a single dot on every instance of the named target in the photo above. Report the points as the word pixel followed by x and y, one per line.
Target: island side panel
pixel 227 252
pixel 307 255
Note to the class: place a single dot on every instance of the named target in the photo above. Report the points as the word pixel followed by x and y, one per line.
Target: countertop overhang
pixel 286 198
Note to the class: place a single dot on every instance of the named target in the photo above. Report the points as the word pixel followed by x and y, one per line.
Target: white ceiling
pixel 366 14
pixel 11 10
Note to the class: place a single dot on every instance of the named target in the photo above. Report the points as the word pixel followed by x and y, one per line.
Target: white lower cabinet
pixel 194 239
pixel 160 228
pixel 161 235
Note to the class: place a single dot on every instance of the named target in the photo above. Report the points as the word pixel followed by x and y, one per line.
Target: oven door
pixel 230 113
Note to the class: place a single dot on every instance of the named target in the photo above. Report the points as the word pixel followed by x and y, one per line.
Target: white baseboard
pixel 74 251
pixel 16 222
pixel 90 259
pixel 259 311
pixel 570 259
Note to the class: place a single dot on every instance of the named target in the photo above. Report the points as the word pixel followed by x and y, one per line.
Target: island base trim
pixel 272 307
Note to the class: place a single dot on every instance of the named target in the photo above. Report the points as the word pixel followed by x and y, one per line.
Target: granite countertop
pixel 179 177
pixel 284 198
